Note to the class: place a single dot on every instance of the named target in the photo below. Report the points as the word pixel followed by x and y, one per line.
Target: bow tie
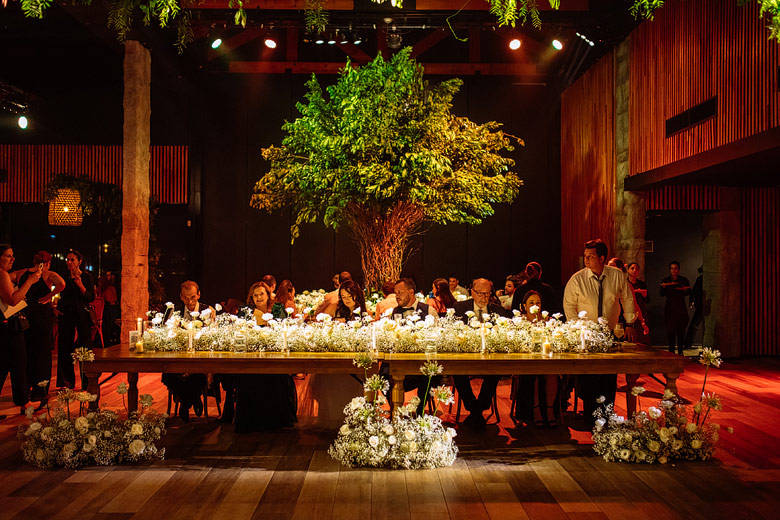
pixel 406 309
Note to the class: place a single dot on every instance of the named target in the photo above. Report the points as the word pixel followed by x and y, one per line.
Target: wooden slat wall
pixel 683 198
pixel 689 53
pixel 32 167
pixel 587 163
pixel 760 271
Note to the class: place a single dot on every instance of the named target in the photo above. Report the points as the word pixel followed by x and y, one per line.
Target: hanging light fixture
pixel 65 209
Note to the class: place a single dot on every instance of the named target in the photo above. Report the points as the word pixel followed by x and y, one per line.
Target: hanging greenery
pixel 122 14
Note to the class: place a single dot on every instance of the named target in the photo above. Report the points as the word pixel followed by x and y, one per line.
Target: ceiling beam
pixel 523 71
pixel 434 37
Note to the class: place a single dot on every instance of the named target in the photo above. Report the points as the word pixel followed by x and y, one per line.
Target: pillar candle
pixel 191 334
pixel 140 326
pixel 284 347
pixel 373 336
pixel 139 347
pixel 482 333
pixel 546 347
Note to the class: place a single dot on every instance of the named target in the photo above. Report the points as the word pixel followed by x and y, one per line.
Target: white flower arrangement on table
pixel 63 437
pixel 369 437
pixel 409 335
pixel 661 434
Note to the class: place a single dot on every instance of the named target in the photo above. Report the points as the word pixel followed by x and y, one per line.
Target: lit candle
pixel 191 333
pixel 139 347
pixel 582 339
pixel 482 333
pixel 140 326
pixel 284 346
pixel 546 347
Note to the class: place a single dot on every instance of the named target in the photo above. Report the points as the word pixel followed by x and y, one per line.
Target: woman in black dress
pixel 675 288
pixel 264 401
pixel 13 355
pixel 40 336
pixel 74 318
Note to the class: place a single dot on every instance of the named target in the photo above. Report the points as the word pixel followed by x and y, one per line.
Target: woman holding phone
pixel 78 294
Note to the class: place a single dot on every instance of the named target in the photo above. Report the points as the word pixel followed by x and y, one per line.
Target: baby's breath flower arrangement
pixel 64 437
pixel 660 434
pixel 369 437
pixel 409 335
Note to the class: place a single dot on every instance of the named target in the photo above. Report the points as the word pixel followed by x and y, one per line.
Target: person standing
pixel 641 297
pixel 13 355
pixel 39 338
pixel 675 288
pixel 599 290
pixel 697 302
pixel 74 323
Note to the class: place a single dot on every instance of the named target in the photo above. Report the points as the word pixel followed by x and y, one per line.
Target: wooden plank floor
pixel 506 472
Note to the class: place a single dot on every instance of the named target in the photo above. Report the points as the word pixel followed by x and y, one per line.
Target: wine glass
pixel 619 331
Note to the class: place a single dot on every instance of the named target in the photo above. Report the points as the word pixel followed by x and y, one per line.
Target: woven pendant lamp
pixel 66 209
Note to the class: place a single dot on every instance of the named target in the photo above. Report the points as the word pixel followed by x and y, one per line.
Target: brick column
pixel 629 206
pixel 135 185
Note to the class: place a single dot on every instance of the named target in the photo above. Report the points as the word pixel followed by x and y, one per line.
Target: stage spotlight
pixel 557 44
pixel 356 39
pixel 22 122
pixel 216 43
pixel 343 40
pixel 320 40
pixel 332 39
pixel 270 43
pixel 515 44
pixel 393 38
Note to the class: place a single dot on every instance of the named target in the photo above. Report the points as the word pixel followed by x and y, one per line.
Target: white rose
pixel 677 444
pixel 453 433
pixel 92 439
pixel 625 454
pixel 136 429
pixel 412 446
pixel 673 430
pixel 373 441
pixel 653 446
pixel 87 447
pixel 344 430
pixel 34 427
pixel 696 444
pixel 409 435
pixel 391 440
pixel 388 429
pixel 82 424
pixel 654 412
pixel 136 447
pixel 691 427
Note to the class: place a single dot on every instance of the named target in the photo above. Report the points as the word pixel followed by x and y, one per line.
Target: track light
pixel 515 44
pixel 319 40
pixel 557 44
pixel 22 122
pixel 393 38
pixel 216 43
pixel 586 39
pixel 270 43
pixel 356 39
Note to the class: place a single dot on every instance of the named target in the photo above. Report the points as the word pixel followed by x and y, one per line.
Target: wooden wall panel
pixel 683 198
pixel 760 271
pixel 31 167
pixel 587 163
pixel 690 52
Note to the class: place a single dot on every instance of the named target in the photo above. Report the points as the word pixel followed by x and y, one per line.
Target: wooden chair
pixel 493 404
pixel 217 395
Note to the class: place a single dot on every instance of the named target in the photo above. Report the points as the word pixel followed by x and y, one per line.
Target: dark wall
pixel 243 113
pixel 676 236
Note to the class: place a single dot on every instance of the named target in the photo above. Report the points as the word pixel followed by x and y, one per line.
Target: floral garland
pixel 71 439
pixel 369 437
pixel 496 334
pixel 669 431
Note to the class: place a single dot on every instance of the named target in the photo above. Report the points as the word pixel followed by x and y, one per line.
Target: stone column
pixel 135 185
pixel 722 275
pixel 629 206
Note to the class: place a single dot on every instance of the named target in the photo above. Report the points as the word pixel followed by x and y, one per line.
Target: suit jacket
pixel 461 308
pixel 423 310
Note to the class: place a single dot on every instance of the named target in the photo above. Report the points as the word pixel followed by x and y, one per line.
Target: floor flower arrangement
pixel 370 437
pixel 67 434
pixel 672 430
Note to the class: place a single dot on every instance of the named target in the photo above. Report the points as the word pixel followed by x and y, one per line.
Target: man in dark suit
pixel 408 305
pixel 480 305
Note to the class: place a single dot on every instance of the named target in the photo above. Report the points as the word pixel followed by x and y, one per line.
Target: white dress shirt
pixel 414 310
pixel 582 294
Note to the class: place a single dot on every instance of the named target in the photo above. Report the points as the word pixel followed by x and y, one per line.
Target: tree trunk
pixel 383 240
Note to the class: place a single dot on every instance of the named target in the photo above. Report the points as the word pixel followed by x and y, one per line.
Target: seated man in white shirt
pixel 456 289
pixel 599 290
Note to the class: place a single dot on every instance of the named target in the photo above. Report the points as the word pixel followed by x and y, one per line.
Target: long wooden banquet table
pixel 631 360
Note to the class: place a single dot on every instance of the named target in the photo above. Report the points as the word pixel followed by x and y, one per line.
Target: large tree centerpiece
pixel 379 153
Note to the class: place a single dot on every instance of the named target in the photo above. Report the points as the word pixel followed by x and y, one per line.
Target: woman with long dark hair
pixel 442 297
pixel 40 336
pixel 75 299
pixel 352 301
pixel 13 354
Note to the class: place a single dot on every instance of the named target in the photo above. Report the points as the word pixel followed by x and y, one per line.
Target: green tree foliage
pixel 380 153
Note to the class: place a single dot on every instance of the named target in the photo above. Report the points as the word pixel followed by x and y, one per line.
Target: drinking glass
pixel 133 339
pixel 239 342
pixel 619 331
